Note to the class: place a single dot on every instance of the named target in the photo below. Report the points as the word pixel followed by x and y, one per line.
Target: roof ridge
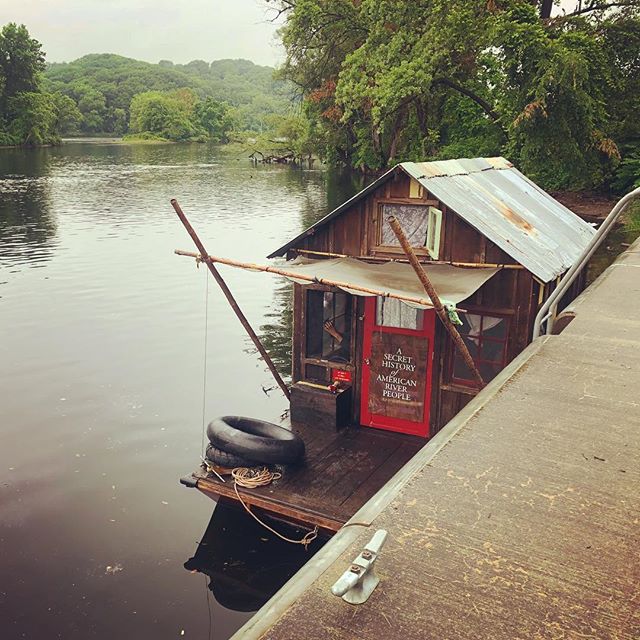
pixel 507 165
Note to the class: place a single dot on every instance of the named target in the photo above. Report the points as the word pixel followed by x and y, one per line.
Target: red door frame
pixel 389 423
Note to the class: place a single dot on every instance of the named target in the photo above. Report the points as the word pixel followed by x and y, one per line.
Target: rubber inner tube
pixel 257 440
pixel 226 459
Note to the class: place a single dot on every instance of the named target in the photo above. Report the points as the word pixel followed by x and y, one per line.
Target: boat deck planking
pixel 342 470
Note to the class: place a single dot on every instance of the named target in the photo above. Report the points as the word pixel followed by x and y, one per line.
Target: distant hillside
pixel 103 85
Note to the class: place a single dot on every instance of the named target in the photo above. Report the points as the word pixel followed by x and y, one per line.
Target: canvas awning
pixel 453 284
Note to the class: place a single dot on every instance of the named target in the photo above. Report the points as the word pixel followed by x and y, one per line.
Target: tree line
pixel 28 113
pixel 108 94
pixel 556 90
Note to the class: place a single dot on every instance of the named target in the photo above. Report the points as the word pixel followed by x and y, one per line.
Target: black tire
pixel 257 440
pixel 226 459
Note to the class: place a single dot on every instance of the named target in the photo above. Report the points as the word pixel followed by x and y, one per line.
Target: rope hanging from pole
pixel 204 365
pixel 232 301
pixel 260 477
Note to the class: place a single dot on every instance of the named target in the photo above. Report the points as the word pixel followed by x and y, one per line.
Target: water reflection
pixel 27 221
pixel 105 362
pixel 276 333
pixel 246 563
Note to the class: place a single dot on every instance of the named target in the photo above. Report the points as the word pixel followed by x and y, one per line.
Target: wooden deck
pixel 341 471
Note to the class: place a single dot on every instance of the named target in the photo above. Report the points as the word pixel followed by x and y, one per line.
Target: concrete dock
pixel 521 518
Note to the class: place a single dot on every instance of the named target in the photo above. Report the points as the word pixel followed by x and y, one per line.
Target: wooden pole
pixel 435 299
pixel 425 302
pixel 466 265
pixel 229 296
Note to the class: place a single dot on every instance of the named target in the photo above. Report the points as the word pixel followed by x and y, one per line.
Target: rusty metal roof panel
pixel 505 206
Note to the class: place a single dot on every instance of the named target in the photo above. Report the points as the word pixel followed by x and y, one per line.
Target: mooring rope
pixel 251 478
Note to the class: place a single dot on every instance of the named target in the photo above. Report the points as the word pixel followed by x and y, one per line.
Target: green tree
pixel 93 107
pixel 67 115
pixel 386 80
pixel 21 62
pixel 29 115
pixel 248 88
pixel 168 116
pixel 216 118
pixel 35 119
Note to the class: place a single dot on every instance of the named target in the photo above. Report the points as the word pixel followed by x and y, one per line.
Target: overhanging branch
pixel 481 102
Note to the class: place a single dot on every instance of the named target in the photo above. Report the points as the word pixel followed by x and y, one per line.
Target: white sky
pixel 151 30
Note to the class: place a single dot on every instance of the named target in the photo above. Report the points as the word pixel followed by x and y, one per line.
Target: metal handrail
pixel 548 311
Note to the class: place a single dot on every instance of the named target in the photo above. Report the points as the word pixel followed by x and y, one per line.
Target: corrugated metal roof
pixel 513 212
pixel 502 204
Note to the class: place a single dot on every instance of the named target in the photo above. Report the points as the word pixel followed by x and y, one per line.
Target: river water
pixel 102 333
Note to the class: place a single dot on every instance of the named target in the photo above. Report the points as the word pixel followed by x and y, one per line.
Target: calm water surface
pixel 101 375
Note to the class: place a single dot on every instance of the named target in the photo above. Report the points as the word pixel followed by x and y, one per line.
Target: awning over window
pixel 453 284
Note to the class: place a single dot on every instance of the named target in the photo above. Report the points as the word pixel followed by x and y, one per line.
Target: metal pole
pixel 549 308
pixel 234 305
pixel 437 304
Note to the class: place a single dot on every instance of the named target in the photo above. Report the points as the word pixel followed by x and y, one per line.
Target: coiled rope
pixel 251 478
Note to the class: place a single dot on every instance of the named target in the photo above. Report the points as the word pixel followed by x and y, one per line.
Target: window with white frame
pixel 421 224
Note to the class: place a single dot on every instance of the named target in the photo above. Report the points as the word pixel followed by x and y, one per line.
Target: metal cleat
pixel 357 583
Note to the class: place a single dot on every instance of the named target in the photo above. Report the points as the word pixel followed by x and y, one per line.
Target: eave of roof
pixel 336 212
pixel 491 195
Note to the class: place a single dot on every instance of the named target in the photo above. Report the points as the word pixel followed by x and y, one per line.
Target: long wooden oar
pixel 435 299
pixel 229 296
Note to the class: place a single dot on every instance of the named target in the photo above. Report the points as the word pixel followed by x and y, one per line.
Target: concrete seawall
pixel 521 518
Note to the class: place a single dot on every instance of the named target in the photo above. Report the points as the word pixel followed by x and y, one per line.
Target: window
pixel 414 220
pixel 420 223
pixel 328 326
pixel 486 338
pixel 395 313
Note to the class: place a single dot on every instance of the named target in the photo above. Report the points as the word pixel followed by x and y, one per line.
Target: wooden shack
pixel 494 245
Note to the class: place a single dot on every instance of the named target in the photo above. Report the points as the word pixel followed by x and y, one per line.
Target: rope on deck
pixel 251 478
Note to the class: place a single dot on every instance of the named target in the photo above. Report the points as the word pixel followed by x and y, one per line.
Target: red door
pixel 396 372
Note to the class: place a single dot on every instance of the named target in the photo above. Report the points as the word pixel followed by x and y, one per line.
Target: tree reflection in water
pixel 27 222
pixel 276 333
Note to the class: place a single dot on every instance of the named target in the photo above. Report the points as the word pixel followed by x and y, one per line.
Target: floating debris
pixel 113 569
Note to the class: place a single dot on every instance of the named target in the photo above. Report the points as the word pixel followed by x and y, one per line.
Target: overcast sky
pixel 152 30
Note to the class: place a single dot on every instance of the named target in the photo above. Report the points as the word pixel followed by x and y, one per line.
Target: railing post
pixel 549 308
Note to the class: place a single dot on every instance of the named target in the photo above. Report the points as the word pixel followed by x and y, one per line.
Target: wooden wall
pixel 514 292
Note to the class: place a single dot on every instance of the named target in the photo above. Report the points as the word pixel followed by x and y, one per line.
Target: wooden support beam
pixel 435 299
pixel 229 296
pixel 425 302
pixel 466 265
